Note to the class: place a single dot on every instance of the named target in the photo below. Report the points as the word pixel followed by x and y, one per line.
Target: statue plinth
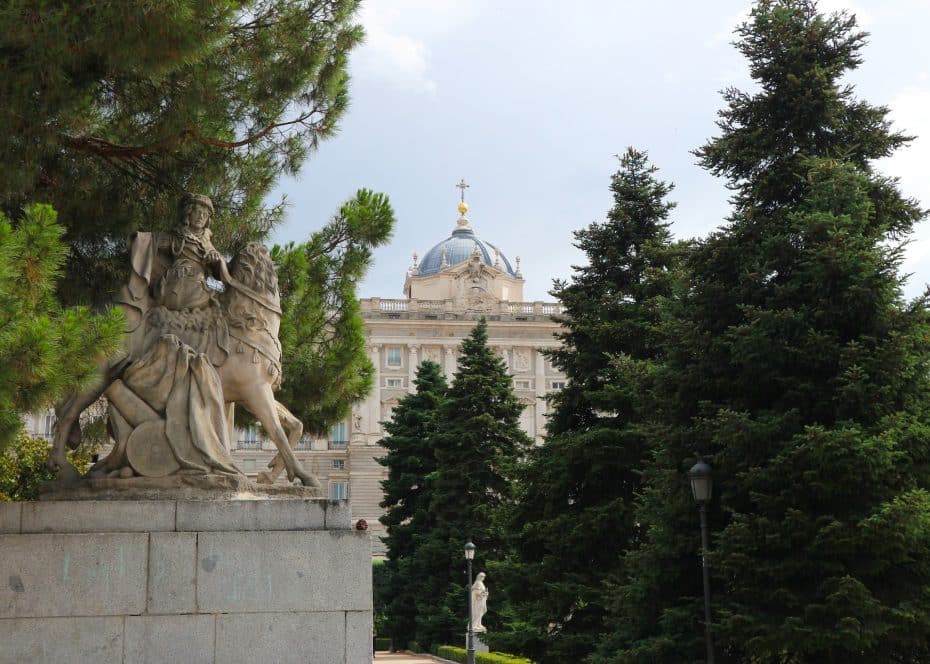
pixel 174 487
pixel 184 580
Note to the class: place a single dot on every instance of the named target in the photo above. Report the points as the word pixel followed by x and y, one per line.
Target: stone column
pixel 412 367
pixel 541 389
pixel 451 365
pixel 374 399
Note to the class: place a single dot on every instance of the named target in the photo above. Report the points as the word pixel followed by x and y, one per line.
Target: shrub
pixel 382 643
pixel 456 654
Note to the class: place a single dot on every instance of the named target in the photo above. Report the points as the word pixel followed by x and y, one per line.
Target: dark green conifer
pixel 411 462
pixel 574 512
pixel 798 371
pixel 478 447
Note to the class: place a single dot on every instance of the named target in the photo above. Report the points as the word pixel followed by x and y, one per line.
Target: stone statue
pixel 479 603
pixel 193 351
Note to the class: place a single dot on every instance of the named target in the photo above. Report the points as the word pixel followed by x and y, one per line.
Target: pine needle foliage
pixel 576 494
pixel 411 464
pixel 478 446
pixel 326 366
pixel 796 368
pixel 46 350
pixel 112 109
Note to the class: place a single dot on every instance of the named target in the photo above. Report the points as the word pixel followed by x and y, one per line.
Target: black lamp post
pixel 702 485
pixel 470 645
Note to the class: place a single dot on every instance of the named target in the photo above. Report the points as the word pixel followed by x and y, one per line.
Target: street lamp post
pixel 470 645
pixel 702 484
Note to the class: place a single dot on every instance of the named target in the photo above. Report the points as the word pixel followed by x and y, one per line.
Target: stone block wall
pixel 184 581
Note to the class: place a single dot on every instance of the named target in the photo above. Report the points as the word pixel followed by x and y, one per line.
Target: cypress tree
pixel 478 447
pixel 411 461
pixel 575 498
pixel 798 371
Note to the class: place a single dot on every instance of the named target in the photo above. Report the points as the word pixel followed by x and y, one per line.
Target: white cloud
pixel 397 51
pixel 910 113
pixel 396 59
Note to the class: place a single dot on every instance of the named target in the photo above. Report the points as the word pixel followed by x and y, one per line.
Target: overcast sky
pixel 530 101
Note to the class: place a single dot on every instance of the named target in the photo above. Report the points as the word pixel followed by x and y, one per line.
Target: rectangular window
pixel 522 384
pixel 305 442
pixel 49 429
pixel 338 490
pixel 393 357
pixel 248 438
pixel 338 440
pixel 338 464
pixel 558 385
pixel 394 382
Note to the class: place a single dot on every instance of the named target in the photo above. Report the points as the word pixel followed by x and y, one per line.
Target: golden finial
pixel 463 206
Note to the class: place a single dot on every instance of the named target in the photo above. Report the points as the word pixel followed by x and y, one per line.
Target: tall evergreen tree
pixel 478 447
pixel 574 507
pixel 797 370
pixel 411 462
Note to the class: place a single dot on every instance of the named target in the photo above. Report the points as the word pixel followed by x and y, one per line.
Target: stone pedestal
pixel 184 581
pixel 479 645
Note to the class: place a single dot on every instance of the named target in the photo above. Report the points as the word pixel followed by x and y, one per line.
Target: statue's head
pixel 195 212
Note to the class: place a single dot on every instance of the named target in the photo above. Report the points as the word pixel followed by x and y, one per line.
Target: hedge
pixel 461 655
pixel 382 643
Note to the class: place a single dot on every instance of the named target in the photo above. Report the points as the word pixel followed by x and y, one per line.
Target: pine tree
pixel 111 109
pixel 326 366
pixel 574 509
pixel 43 346
pixel 797 370
pixel 478 447
pixel 411 461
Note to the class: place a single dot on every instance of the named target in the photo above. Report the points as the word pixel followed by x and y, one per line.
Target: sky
pixel 531 101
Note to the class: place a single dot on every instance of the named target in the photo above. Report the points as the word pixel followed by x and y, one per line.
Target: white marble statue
pixel 479 603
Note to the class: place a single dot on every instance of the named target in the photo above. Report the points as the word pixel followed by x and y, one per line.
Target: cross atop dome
pixel 463 206
pixel 462 223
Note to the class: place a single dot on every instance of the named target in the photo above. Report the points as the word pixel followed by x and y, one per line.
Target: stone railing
pixel 399 307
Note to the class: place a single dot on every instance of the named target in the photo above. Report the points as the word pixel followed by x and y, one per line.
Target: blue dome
pixel 459 247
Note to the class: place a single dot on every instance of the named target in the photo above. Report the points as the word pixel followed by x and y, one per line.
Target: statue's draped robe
pixel 178 336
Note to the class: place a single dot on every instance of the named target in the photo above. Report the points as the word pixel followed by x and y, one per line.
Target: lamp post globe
pixel 702 482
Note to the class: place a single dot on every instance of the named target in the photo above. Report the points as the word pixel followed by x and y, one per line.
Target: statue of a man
pixel 479 603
